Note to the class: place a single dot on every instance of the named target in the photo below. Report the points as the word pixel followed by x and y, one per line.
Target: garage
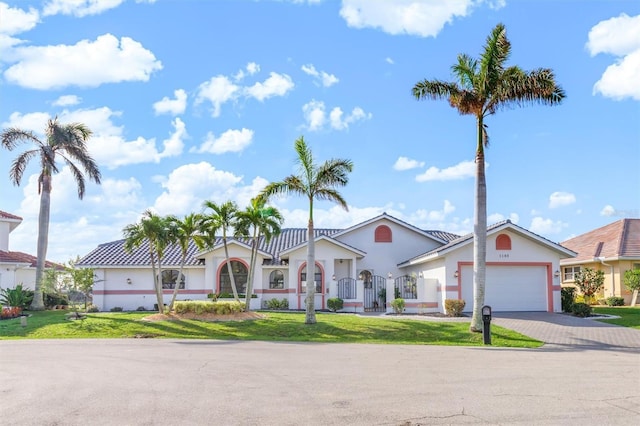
pixel 509 287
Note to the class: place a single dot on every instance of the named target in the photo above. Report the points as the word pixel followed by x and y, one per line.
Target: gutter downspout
pixel 613 277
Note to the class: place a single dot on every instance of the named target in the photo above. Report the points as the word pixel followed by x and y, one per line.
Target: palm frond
pixel 12 137
pixel 19 165
pixel 434 89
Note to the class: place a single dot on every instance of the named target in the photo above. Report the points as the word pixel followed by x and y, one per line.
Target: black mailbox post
pixel 486 324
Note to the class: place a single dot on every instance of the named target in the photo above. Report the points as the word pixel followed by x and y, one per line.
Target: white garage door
pixel 509 288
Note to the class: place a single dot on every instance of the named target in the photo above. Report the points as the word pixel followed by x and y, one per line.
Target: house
pixel 366 265
pixel 16 267
pixel 613 249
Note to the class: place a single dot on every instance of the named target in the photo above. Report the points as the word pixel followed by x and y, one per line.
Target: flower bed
pixel 11 312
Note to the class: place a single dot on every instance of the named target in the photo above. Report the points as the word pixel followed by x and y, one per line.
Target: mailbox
pixel 486 324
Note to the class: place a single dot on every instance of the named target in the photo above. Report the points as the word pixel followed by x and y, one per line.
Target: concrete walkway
pixel 561 330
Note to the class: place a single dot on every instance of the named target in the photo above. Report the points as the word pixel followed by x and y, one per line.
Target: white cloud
pixel 315 116
pixel 405 163
pixel 543 226
pixel 435 215
pixel 229 141
pixel 16 21
pixel 497 217
pixel 172 106
pixel 67 100
pixel 275 85
pixel 620 37
pixel 324 78
pixel 608 211
pixel 559 199
pixel 251 69
pixel 389 60
pixel 218 90
pixel 412 17
pixel 107 145
pixel 105 60
pixel 189 185
pixel 463 170
pixel 79 8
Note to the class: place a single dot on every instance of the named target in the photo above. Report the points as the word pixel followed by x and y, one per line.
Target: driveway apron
pixel 566 330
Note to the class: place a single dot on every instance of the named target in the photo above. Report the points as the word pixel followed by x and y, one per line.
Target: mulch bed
pixel 241 316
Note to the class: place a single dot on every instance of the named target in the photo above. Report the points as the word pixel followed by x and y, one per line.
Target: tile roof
pixel 113 253
pixel 618 239
pixel 19 257
pixel 5 215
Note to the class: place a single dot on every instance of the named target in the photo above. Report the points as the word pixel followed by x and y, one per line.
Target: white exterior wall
pixel 4 235
pixel 382 258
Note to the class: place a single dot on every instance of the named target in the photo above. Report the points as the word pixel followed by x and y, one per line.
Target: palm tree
pixel 257 220
pixel 314 182
pixel 184 231
pixel 157 231
pixel 482 87
pixel 69 142
pixel 222 217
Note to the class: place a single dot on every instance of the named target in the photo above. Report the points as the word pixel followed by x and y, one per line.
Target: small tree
pixel 589 282
pixel 631 280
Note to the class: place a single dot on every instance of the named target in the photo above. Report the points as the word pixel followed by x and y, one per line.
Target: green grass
pixel 275 327
pixel 629 316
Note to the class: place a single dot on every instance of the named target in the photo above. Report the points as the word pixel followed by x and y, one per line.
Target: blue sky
pixel 202 100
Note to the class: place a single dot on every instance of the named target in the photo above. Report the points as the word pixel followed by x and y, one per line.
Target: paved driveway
pixel 560 330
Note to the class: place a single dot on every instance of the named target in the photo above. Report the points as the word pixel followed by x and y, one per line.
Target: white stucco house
pixel 361 265
pixel 16 267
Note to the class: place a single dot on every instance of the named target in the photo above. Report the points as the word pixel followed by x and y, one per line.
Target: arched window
pixel 170 277
pixel 383 234
pixel 239 270
pixel 318 278
pixel 503 242
pixel 276 279
pixel 367 277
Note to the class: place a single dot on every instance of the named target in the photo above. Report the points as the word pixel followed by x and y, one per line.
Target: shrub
pixel 230 296
pixel 12 312
pixel 589 281
pixel 567 297
pixel 335 304
pixel 200 307
pixel 581 310
pixel 615 301
pixel 398 305
pixel 631 279
pixel 454 307
pixel 141 309
pixel 93 308
pixel 116 309
pixel 16 297
pixel 52 300
pixel 212 296
pixel 278 304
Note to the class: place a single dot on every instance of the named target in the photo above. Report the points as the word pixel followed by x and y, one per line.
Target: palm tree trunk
pixel 252 261
pixel 479 234
pixel 43 240
pixel 230 271
pixel 159 298
pixel 310 317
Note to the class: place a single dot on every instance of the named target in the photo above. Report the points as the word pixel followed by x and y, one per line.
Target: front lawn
pixel 275 327
pixel 629 316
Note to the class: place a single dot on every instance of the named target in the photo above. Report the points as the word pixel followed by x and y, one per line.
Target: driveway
pixel 561 330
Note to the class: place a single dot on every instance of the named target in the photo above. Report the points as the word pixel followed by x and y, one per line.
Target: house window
pixel 635 266
pixel 383 234
pixel 503 242
pixel 239 270
pixel 170 277
pixel 570 273
pixel 317 278
pixel 276 279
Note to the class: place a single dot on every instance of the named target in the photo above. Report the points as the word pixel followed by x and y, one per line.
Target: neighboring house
pixel 16 267
pixel 613 248
pixel 366 265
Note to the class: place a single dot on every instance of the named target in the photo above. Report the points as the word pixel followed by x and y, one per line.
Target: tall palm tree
pixel 255 221
pixel 62 141
pixel 157 231
pixel 183 231
pixel 314 182
pixel 482 87
pixel 223 218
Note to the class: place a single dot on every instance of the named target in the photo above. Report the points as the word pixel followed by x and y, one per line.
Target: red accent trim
pixel 302 266
pixel 275 291
pixel 422 305
pixel 353 304
pixel 383 234
pixel 165 291
pixel 224 262
pixel 545 264
pixel 556 288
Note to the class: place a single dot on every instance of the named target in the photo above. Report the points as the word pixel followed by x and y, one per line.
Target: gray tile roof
pixel 113 253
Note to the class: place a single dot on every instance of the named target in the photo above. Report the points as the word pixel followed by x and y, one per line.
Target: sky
pixel 203 100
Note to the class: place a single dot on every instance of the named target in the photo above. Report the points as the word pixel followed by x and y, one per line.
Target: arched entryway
pixel 240 271
pixel 318 277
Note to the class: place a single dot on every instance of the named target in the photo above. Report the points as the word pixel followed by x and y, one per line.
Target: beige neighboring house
pixel 613 248
pixel 16 267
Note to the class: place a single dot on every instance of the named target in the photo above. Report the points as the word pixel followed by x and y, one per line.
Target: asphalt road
pixel 189 382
